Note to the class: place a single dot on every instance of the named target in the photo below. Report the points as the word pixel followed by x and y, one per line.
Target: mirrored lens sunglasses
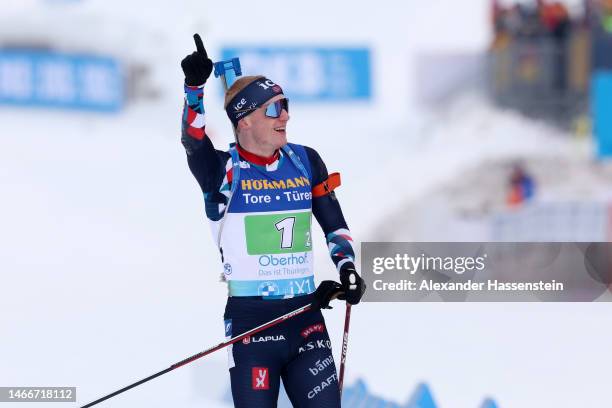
pixel 275 109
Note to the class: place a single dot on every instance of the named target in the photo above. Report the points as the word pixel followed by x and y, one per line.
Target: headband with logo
pixel 250 98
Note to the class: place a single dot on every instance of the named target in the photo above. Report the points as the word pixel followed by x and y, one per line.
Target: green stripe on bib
pixel 278 233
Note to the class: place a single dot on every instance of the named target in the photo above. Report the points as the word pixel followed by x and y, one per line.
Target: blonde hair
pixel 238 86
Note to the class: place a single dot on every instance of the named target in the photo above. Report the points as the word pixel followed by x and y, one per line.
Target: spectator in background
pixel 497 12
pixel 601 34
pixel 511 23
pixel 554 17
pixel 521 186
pixel 531 25
pixel 555 20
pixel 501 26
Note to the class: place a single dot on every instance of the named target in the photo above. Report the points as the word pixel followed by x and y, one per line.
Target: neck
pixel 259 156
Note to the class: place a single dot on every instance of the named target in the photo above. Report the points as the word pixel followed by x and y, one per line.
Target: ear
pixel 244 123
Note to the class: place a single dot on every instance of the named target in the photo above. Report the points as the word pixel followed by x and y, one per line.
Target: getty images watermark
pixel 487 272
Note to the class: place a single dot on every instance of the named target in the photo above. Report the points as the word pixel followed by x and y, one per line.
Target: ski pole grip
pixel 337 295
pixel 229 70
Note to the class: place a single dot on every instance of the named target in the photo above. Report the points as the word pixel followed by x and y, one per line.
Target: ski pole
pixel 347 321
pixel 201 354
pixel 228 70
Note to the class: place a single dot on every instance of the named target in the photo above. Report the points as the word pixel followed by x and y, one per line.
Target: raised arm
pixel 204 161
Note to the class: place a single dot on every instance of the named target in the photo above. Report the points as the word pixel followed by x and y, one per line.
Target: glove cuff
pixel 193 87
pixel 345 264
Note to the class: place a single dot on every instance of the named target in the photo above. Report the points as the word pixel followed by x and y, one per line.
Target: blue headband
pixel 250 98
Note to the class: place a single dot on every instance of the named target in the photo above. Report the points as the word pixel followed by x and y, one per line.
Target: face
pixel 267 134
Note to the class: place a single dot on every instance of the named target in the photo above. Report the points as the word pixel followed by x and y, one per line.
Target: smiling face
pixel 262 135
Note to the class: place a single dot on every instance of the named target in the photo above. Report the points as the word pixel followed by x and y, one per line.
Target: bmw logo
pixel 227 269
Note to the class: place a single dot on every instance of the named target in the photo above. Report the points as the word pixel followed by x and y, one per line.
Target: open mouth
pixel 280 129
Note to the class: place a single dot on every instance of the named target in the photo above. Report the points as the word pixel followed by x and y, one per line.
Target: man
pixel 259 197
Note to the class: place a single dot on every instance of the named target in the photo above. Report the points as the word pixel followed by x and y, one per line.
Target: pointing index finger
pixel 199 44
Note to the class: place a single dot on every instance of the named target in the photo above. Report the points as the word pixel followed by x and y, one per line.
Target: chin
pixel 282 141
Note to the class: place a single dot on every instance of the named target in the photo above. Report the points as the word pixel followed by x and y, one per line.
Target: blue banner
pixel 310 74
pixel 46 79
pixel 601 106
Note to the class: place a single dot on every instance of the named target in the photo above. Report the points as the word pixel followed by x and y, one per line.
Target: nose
pixel 284 116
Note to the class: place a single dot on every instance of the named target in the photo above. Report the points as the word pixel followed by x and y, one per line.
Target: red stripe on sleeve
pixel 196 133
pixel 191 115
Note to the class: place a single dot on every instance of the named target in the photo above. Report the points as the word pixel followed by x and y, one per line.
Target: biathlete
pixel 259 197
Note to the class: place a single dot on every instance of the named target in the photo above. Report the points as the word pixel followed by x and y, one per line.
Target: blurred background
pixel 474 120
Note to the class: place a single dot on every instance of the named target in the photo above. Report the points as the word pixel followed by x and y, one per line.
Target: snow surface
pixel 108 272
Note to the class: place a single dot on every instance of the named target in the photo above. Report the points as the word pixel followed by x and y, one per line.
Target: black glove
pixel 197 66
pixel 353 286
pixel 324 294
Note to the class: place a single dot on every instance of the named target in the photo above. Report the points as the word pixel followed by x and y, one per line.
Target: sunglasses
pixel 275 109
